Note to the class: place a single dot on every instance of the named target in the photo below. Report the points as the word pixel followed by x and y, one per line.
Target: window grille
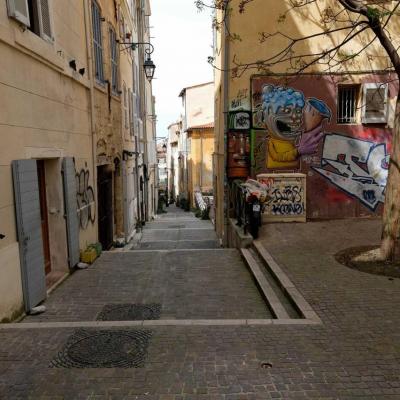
pixel 347 104
pixel 97 42
pixel 114 61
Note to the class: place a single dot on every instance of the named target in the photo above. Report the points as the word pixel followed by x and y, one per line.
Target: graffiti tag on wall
pixel 241 100
pixel 286 197
pixel 240 120
pixel 359 167
pixel 85 199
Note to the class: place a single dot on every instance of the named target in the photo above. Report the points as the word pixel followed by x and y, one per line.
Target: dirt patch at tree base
pixel 346 257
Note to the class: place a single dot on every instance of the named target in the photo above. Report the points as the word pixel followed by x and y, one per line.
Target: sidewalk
pixel 355 354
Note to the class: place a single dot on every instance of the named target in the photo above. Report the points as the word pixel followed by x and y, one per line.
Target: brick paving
pixel 355 354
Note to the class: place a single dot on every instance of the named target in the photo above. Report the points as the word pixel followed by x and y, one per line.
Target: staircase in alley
pixel 177 229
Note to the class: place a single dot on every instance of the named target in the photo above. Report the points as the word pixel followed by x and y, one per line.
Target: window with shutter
pixel 19 10
pixel 35 14
pixel 114 61
pixel 97 43
pixel 126 108
pixel 374 109
pixel 44 19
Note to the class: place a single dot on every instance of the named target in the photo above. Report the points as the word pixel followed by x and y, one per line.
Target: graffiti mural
pixel 294 124
pixel 85 199
pixel 295 128
pixel 359 167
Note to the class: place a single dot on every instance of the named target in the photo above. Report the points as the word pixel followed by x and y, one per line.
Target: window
pixel 35 14
pixel 347 104
pixel 97 43
pixel 374 109
pixel 132 101
pixel 126 115
pixel 114 61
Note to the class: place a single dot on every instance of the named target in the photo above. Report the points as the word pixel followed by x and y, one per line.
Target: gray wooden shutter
pixel 29 230
pixel 44 18
pixel 18 9
pixel 71 210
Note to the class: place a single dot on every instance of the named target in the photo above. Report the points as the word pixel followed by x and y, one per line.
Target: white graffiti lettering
pixel 358 167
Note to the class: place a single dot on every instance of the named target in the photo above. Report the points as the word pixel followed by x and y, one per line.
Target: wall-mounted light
pixel 149 66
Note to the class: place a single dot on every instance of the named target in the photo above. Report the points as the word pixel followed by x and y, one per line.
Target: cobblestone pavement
pixel 355 354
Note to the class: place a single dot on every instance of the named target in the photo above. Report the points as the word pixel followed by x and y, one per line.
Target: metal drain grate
pixel 176 226
pixel 129 312
pixel 104 349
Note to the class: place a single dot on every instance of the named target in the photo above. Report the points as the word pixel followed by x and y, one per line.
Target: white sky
pixel 182 38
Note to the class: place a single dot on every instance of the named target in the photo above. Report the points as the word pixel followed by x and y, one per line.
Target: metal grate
pixel 104 349
pixel 130 312
pixel 347 104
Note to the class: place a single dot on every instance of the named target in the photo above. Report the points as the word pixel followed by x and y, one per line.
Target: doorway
pixel 105 204
pixel 44 215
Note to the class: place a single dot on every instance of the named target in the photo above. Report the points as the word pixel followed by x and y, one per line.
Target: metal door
pixel 71 210
pixel 29 231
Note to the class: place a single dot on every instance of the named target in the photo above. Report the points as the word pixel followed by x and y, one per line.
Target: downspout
pixel 202 161
pixel 226 118
pixel 89 49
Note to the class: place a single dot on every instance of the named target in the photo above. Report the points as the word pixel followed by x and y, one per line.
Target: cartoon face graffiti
pixel 294 125
pixel 283 111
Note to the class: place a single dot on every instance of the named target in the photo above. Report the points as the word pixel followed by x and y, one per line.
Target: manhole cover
pixel 129 312
pixel 104 349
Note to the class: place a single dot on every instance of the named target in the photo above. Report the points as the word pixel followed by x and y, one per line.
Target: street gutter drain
pixel 176 226
pixel 129 312
pixel 104 349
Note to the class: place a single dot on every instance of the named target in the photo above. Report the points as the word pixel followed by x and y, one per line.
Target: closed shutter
pixel 29 230
pixel 19 10
pixel 375 100
pixel 71 210
pixel 44 18
pixel 97 42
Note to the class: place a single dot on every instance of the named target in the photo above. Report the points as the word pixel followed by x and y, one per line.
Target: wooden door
pixel 44 215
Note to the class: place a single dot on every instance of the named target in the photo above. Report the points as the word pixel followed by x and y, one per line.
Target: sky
pixel 182 38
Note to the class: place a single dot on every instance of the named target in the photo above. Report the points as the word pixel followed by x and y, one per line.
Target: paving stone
pixel 355 354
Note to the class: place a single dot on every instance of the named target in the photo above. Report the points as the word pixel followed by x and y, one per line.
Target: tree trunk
pixel 391 213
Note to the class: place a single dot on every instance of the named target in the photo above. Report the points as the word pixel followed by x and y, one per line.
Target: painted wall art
pixel 295 129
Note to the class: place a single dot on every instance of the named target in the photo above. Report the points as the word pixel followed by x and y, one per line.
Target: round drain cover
pixel 104 349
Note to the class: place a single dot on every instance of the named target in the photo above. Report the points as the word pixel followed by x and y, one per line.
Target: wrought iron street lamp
pixel 148 66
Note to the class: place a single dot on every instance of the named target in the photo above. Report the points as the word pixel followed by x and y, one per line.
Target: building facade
pixel 68 164
pixel 198 139
pixel 330 123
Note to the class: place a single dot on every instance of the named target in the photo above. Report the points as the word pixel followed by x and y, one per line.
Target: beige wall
pixel 44 115
pixel 200 160
pixel 199 106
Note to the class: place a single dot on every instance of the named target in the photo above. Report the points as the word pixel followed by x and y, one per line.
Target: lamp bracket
pixel 134 45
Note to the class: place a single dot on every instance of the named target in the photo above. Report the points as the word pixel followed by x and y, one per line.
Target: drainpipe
pixel 202 161
pixel 89 50
pixel 226 118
